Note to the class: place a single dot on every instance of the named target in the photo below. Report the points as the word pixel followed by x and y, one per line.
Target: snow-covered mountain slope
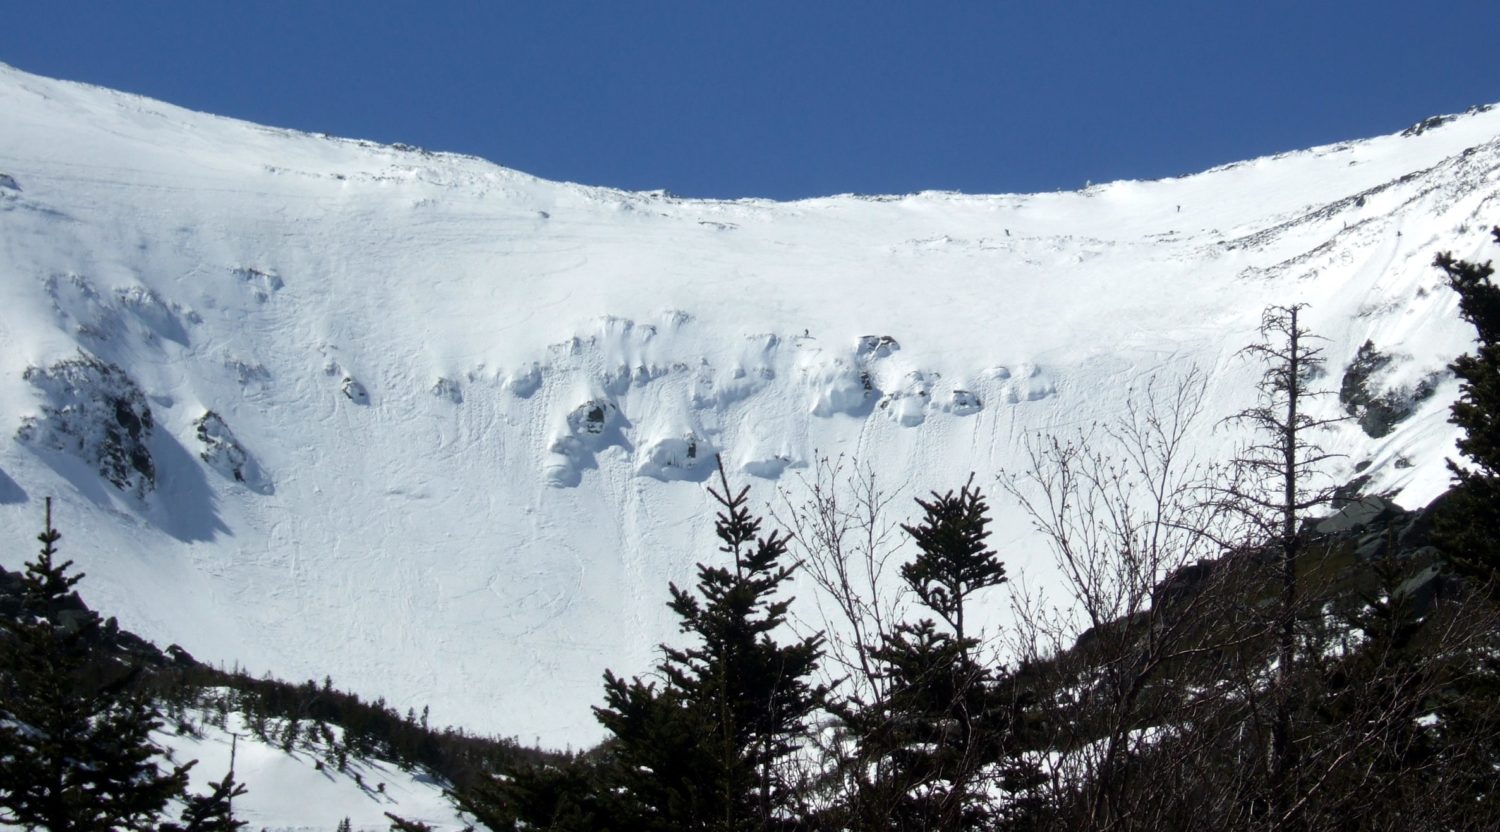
pixel 303 789
pixel 462 416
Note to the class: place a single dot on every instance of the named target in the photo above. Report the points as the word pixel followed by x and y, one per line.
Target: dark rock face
pixel 447 388
pixel 1429 123
pixel 876 346
pixel 1366 511
pixel 354 390
pixel 1434 122
pixel 592 417
pixel 94 411
pixel 224 453
pixel 964 403
pixel 1377 411
pixel 1363 531
pixel 221 450
pixel 591 426
pixel 1350 491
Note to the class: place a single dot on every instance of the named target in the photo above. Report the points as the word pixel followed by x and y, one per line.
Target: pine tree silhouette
pixel 76 753
pixel 954 562
pixel 703 751
pixel 934 747
pixel 213 811
pixel 1467 529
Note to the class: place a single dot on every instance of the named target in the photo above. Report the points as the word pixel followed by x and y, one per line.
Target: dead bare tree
pixel 1277 480
pixel 842 532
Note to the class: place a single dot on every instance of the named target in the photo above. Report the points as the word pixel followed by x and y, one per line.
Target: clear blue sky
pixel 794 99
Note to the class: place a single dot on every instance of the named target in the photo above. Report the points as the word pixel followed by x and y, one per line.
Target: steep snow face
pixel 302 788
pixel 462 418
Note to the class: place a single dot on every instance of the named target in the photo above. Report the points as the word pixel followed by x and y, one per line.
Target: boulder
pixel 354 390
pixel 222 451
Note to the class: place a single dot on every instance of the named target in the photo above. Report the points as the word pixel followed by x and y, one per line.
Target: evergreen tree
pixel 954 562
pixel 1467 528
pixel 918 751
pixel 1366 708
pixel 1470 516
pixel 574 795
pixel 707 749
pixel 75 743
pixel 211 812
pixel 931 749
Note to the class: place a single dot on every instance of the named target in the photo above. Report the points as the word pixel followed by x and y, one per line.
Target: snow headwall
pixel 441 429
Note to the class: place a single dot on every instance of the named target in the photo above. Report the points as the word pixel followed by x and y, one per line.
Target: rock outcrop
pixel 1379 410
pixel 97 413
pixel 224 453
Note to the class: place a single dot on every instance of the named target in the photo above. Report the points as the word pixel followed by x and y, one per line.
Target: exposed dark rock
pixel 1429 123
pixel 1419 531
pixel 1354 392
pixel 354 390
pixel 1349 491
pixel 180 656
pixel 591 418
pixel 72 615
pixel 94 411
pixel 1183 583
pixel 1434 122
pixel 1379 411
pixel 964 402
pixel 447 388
pixel 1425 586
pixel 224 453
pixel 876 346
pixel 263 282
pixel 1366 511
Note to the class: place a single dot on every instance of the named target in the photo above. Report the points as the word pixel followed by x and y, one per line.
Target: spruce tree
pixel 933 747
pixel 954 562
pixel 76 753
pixel 1470 517
pixel 706 749
pixel 212 811
pixel 572 795
pixel 918 750
pixel 1467 529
